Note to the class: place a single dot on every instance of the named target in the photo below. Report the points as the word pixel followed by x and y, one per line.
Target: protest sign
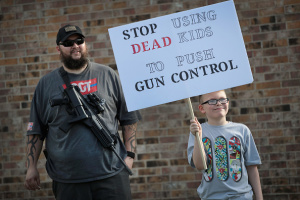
pixel 180 55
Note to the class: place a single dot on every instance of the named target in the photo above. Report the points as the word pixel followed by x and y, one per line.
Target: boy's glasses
pixel 70 43
pixel 215 101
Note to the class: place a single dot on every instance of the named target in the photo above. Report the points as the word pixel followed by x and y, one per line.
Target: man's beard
pixel 73 64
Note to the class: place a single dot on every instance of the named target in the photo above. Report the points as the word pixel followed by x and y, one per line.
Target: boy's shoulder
pixel 238 124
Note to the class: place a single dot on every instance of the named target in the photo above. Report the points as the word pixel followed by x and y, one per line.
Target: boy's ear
pixel 57 48
pixel 200 107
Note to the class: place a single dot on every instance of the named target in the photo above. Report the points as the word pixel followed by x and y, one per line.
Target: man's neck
pixel 74 71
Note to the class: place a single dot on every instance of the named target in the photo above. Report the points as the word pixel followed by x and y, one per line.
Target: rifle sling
pixel 65 76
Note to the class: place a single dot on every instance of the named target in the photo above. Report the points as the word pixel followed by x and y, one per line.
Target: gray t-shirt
pixel 229 149
pixel 77 155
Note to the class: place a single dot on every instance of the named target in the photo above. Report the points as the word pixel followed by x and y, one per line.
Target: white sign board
pixel 180 55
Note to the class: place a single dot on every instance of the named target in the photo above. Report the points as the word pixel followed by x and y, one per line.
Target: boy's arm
pixel 195 127
pixel 34 148
pixel 129 138
pixel 254 181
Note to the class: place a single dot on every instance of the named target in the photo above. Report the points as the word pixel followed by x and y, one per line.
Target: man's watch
pixel 131 154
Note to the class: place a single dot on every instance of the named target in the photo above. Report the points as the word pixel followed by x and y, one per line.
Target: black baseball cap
pixel 66 31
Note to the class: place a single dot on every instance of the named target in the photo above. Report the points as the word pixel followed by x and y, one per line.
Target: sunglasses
pixel 70 43
pixel 215 101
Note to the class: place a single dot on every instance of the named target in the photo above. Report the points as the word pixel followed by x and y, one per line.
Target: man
pixel 80 167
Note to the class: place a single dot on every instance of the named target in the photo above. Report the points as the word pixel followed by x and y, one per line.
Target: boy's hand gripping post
pixel 191 112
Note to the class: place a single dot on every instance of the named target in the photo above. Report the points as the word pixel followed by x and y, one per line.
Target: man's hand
pixel 34 148
pixel 129 162
pixel 32 181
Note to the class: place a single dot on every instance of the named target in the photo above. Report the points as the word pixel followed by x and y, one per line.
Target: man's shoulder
pixel 51 73
pixel 103 71
pixel 50 76
pixel 96 66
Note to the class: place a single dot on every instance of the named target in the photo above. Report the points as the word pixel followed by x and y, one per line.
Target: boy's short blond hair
pixel 200 99
pixel 200 96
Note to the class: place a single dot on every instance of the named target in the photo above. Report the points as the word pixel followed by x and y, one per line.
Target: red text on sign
pixel 145 46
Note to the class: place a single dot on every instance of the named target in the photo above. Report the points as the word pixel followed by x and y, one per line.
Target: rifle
pixel 83 112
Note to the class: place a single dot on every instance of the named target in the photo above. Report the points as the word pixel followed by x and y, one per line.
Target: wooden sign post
pixel 191 113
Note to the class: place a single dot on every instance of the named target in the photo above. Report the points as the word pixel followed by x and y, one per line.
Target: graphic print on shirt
pixel 221 158
pixel 86 86
pixel 208 175
pixel 235 158
pixel 29 126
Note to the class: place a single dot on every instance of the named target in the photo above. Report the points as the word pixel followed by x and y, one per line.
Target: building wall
pixel 269 106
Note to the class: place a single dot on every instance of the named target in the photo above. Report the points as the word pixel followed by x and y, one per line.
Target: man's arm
pixel 254 181
pixel 129 138
pixel 34 148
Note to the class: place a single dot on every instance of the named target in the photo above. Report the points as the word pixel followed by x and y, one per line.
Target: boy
pixel 231 154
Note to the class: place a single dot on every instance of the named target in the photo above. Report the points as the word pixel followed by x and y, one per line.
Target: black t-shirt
pixel 77 156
